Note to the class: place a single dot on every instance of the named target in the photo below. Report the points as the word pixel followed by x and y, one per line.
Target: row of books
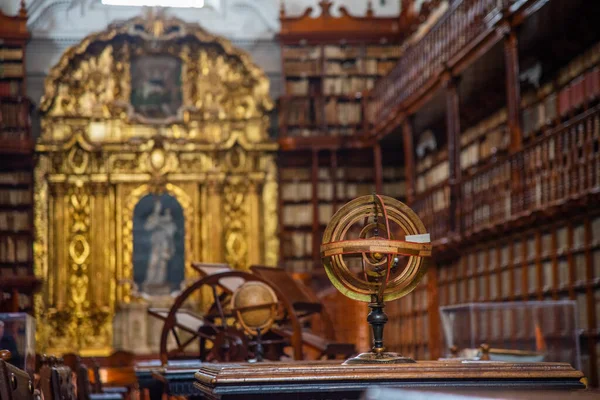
pixel 342 52
pixel 481 129
pixel 14 115
pixel 14 249
pixel 14 221
pixel 538 115
pixel 302 112
pixel 15 197
pixel 301 52
pixel 302 68
pixel 347 85
pixel 10 88
pixel 302 87
pixel 395 189
pixel 432 177
pixel 431 159
pixel 368 66
pixel 495 141
pixel 15 178
pixel 296 191
pixel 342 113
pixel 570 98
pixel 14 136
pixel 302 191
pixel 298 244
pixel 11 54
pixel 579 91
pixel 575 85
pixel 456 285
pixel 330 131
pixel 476 263
pixel 341 172
pixel 301 214
pixel 11 70
pixel 339 52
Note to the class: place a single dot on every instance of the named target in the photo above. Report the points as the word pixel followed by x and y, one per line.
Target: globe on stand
pixel 255 307
pixel 376 249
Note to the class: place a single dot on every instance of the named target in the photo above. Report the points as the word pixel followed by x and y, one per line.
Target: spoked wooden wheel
pixel 215 335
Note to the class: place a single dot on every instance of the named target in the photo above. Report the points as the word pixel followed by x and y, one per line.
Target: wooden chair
pixel 84 387
pixel 15 384
pixel 120 372
pixel 56 380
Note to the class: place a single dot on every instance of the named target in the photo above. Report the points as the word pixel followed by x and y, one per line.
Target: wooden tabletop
pixel 273 379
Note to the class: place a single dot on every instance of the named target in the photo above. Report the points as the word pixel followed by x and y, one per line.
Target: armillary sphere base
pixel 381 358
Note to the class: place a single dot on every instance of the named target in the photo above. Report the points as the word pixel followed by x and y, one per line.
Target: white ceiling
pixel 235 19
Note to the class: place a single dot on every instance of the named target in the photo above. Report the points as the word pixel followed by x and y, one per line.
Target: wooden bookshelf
pixel 17 280
pixel 313 185
pixel 330 63
pixel 510 191
pixel 574 88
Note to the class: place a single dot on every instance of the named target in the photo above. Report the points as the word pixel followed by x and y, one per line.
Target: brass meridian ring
pixel 335 247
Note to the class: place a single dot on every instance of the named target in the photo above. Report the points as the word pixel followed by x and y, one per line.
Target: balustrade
pixel 560 166
pixel 459 27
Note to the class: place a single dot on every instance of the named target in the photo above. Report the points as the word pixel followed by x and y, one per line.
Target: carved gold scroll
pixel 98 157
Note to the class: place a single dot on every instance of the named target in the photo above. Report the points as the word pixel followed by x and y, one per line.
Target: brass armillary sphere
pixel 376 249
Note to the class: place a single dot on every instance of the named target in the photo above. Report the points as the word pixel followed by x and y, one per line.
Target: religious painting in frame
pixel 156 86
pixel 158 244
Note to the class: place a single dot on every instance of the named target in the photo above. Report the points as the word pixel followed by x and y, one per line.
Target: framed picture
pixel 156 86
pixel 17 335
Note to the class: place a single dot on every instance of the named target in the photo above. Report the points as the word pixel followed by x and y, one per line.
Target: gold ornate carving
pixel 97 159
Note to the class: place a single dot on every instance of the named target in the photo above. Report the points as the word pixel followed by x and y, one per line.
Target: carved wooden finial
pixel 281 9
pixel 5 355
pixel 369 9
pixel 454 351
pixel 23 9
pixel 485 352
pixel 325 7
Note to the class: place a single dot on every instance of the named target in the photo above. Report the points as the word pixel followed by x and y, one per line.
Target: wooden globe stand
pixel 377 318
pixel 255 306
pixel 379 253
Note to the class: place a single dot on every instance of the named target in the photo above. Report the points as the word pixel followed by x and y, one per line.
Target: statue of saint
pixel 162 242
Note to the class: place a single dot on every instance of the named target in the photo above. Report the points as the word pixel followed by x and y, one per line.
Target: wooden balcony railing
pixel 463 25
pixel 559 167
pixel 562 165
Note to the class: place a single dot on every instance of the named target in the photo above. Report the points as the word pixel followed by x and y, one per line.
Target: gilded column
pixel 59 248
pixel 269 213
pixel 214 218
pixel 254 217
pixel 99 282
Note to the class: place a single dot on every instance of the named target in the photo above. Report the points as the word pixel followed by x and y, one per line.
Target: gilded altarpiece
pixel 99 154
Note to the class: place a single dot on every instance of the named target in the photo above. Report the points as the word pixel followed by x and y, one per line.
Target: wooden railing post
pixel 316 240
pixel 378 168
pixel 513 90
pixel 513 107
pixel 453 133
pixel 409 159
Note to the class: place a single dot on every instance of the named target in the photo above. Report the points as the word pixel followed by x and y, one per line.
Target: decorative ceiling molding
pixel 234 18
